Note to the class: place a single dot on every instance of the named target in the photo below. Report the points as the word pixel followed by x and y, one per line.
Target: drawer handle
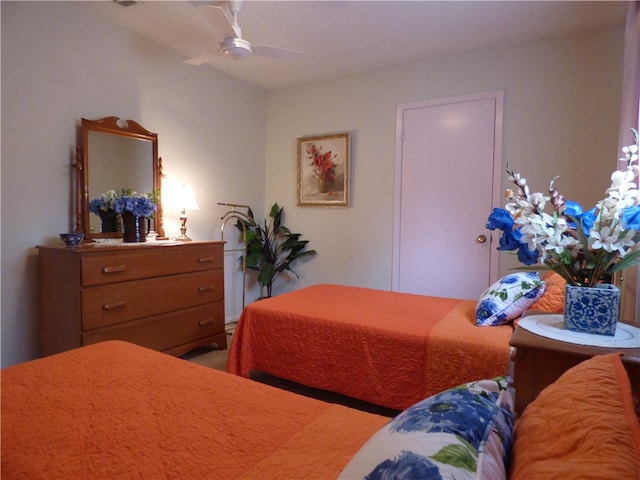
pixel 206 260
pixel 113 306
pixel 114 269
pixel 206 321
pixel 206 288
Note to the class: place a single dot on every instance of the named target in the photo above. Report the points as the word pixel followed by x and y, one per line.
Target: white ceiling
pixel 343 37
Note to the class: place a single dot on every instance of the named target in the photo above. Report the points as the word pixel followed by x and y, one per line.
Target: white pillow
pixel 508 298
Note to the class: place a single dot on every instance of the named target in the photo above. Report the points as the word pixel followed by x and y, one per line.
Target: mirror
pixel 115 154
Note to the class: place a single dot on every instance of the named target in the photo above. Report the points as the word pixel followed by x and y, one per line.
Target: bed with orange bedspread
pixel 387 348
pixel 116 410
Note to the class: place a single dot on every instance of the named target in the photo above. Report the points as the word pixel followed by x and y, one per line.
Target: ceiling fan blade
pixel 218 20
pixel 275 52
pixel 202 59
pixel 233 45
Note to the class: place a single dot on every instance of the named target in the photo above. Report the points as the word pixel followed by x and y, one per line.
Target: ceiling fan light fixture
pixel 236 47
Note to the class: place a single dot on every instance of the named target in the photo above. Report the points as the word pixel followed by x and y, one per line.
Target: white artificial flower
pixel 538 199
pixel 622 179
pixel 535 230
pixel 627 242
pixel 630 153
pixel 623 189
pixel 607 239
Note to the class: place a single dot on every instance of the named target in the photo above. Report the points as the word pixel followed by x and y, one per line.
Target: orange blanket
pixel 387 348
pixel 582 426
pixel 116 410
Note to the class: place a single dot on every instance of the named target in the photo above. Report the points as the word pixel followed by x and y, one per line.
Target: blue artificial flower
pixel 631 218
pixel 573 209
pixel 510 240
pixel 526 256
pixel 588 220
pixel 500 219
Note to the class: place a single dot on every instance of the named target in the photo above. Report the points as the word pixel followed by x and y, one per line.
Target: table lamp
pixel 181 198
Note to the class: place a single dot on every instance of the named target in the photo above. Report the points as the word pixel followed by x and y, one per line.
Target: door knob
pixel 481 239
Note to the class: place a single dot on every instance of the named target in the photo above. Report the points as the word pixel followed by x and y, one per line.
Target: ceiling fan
pixel 233 45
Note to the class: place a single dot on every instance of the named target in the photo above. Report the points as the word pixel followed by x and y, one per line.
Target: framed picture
pixel 323 170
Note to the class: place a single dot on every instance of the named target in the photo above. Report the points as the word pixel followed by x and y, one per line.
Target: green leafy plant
pixel 271 248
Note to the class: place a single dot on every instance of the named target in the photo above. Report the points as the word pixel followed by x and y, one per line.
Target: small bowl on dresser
pixel 72 239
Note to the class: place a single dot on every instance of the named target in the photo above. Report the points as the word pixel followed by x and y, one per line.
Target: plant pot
pixel 592 309
pixel 135 228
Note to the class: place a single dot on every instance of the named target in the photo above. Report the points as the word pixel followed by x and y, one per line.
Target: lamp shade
pixel 179 197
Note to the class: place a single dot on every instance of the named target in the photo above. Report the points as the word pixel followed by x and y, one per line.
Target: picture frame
pixel 324 170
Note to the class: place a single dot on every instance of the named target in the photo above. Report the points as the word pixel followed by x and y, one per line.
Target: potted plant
pixel 271 248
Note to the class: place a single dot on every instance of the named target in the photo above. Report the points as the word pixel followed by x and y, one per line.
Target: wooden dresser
pixel 165 296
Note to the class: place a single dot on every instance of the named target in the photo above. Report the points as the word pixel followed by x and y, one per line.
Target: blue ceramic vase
pixel 592 309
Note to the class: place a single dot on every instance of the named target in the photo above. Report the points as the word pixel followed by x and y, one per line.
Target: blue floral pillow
pixel 508 298
pixel 461 433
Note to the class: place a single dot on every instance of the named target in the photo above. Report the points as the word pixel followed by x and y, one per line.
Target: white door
pixel 448 171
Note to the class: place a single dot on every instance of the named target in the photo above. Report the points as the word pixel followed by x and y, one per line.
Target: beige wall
pixel 235 143
pixel 561 117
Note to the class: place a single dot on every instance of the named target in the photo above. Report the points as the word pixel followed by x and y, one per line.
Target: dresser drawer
pixel 104 268
pixel 120 302
pixel 162 332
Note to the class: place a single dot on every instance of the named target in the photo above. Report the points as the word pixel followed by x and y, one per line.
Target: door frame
pixel 498 98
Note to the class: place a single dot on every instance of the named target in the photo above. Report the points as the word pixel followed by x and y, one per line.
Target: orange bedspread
pixel 116 410
pixel 387 348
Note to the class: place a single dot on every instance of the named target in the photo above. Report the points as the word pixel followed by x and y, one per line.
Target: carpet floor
pixel 213 357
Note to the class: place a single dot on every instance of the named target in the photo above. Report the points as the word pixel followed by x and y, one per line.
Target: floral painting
pixel 323 170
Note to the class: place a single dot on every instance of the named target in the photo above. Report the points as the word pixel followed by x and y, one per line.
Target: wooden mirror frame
pixel 123 128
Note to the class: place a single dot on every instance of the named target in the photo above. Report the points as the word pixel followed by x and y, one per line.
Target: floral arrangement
pixel 322 163
pixel 112 203
pixel 138 205
pixel 584 247
pixel 104 205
